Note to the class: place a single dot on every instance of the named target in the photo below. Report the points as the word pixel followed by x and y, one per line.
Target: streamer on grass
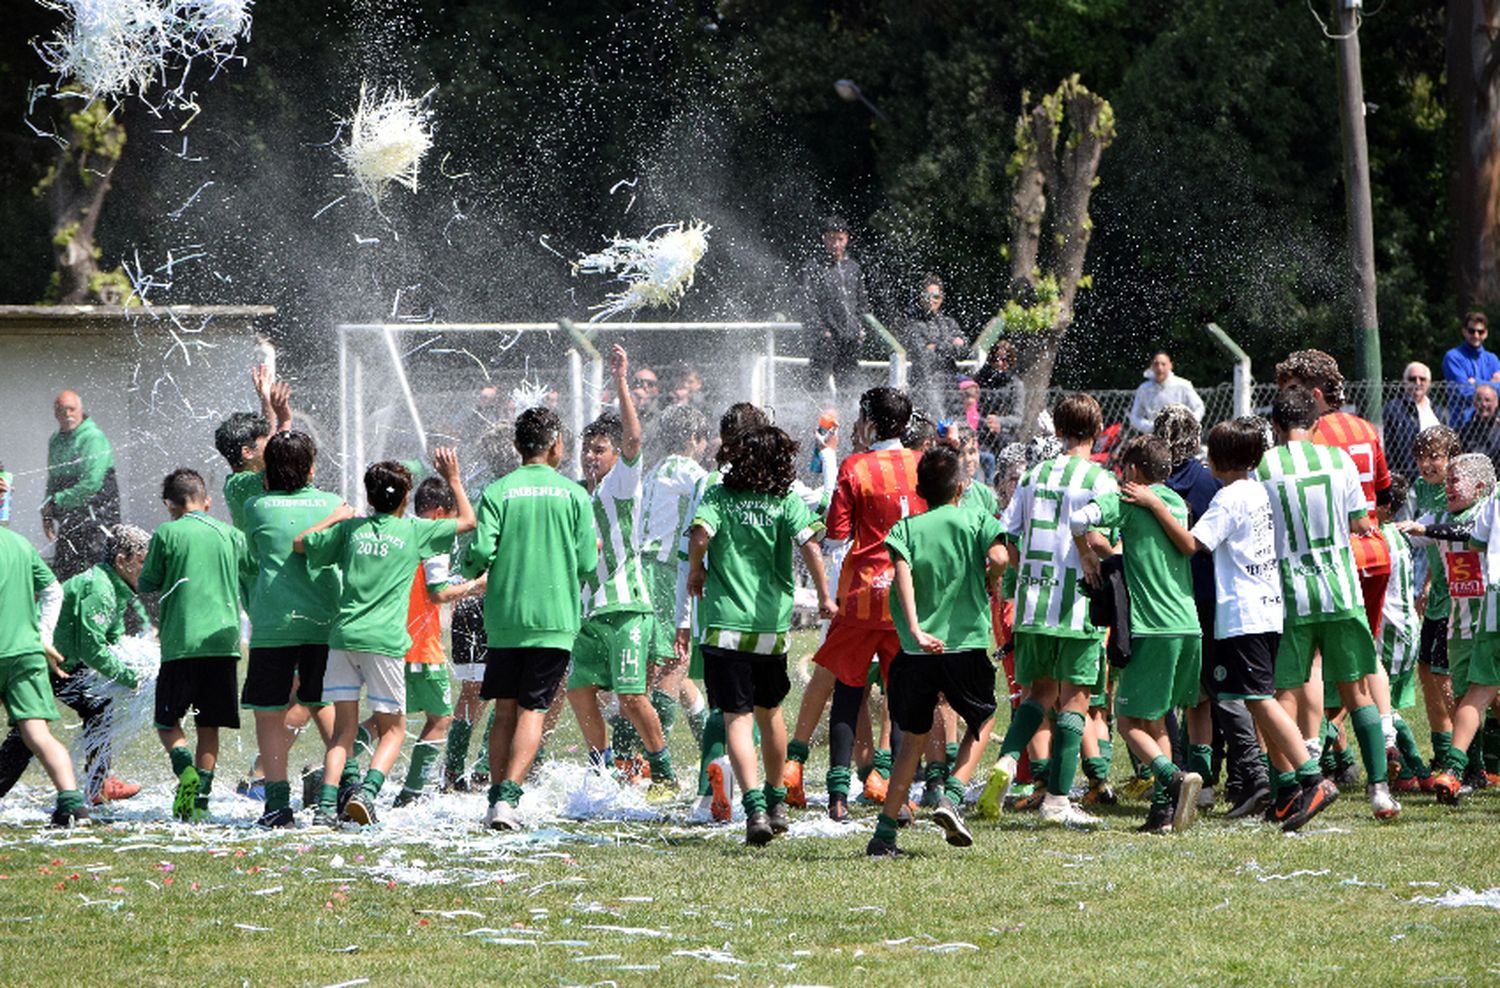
pixel 388 137
pixel 656 270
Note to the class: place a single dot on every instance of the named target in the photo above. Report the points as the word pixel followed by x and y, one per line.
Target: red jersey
pixel 875 490
pixel 1361 441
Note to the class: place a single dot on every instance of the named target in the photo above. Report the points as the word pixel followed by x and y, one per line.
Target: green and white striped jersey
pixel 667 496
pixel 618 582
pixel 1461 571
pixel 753 642
pixel 1315 492
pixel 1049 598
pixel 1400 628
pixel 1486 539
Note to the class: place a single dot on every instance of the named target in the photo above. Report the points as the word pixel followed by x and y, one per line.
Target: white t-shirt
pixel 1238 529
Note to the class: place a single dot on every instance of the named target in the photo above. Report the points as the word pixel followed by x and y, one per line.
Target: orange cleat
pixel 721 809
pixel 1410 784
pixel 1446 785
pixel 791 777
pixel 115 788
pixel 875 787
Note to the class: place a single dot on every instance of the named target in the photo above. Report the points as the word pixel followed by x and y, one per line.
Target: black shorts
pixel 205 684
pixel 530 676
pixel 1207 688
pixel 965 679
pixel 271 671
pixel 1432 646
pixel 1244 667
pixel 738 682
pixel 468 632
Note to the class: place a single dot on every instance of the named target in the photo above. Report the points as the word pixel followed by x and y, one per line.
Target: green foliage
pixel 1040 316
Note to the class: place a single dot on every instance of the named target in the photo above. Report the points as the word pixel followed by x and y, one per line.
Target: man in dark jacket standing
pixel 82 494
pixel 833 305
pixel 934 346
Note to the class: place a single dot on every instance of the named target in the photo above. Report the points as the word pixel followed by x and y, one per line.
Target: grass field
pixel 429 898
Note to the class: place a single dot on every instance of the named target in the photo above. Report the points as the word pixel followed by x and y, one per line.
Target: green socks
pixel 1162 770
pixel 1201 760
pixel 661 766
pixel 1366 723
pixel 954 790
pixel 754 801
pixel 1023 725
pixel 1067 742
pixel 423 755
pixel 506 791
pixel 278 796
pixel 328 797
pixel 950 752
pixel 182 759
pixel 69 799
pixel 351 775
pixel 838 780
pixel 1309 772
pixel 885 829
pixel 1411 756
pixel 698 717
pixel 205 783
pixel 1458 761
pixel 623 737
pixel 1041 768
pixel 711 749
pixel 883 762
pixel 666 711
pixel 797 751
pixel 1442 743
pixel 374 779
pixel 459 733
pixel 774 794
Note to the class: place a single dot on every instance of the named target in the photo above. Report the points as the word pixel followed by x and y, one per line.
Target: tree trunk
pixel 1474 90
pixel 76 188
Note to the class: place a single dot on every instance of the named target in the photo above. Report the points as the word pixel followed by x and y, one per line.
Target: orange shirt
pixel 1361 441
pixel 424 619
pixel 875 490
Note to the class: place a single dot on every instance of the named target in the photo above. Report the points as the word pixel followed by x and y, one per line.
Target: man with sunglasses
pixel 1469 365
pixel 934 346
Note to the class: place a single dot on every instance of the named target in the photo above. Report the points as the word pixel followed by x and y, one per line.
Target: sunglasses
pixel 646 382
pixel 1477 330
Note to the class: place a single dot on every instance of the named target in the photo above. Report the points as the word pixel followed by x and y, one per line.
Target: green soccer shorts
pixel 427 689
pixel 1346 645
pixel 1484 662
pixel 661 581
pixel 1163 673
pixel 26 688
pixel 613 652
pixel 1067 660
pixel 1460 652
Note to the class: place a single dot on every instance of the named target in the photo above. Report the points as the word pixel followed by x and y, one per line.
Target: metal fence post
pixel 1242 382
pixel 898 352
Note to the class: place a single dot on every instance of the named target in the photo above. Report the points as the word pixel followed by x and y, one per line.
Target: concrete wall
pixel 156 380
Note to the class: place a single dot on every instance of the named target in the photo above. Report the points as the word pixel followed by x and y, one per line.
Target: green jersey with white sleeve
pixel 617 583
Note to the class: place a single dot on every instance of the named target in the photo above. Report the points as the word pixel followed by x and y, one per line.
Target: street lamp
pixel 849 92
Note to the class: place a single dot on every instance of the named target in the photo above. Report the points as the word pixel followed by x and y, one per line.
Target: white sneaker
pixel 1206 797
pixel 1314 747
pixel 502 816
pixel 1382 803
pixel 1060 809
pixel 702 811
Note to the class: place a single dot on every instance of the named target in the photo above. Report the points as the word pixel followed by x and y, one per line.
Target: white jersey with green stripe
pixel 1400 627
pixel 666 498
pixel 618 583
pixel 1462 571
pixel 1315 493
pixel 1049 595
pixel 1486 538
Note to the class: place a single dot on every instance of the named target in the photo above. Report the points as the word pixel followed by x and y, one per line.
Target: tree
pixel 1473 57
pixel 75 187
pixel 1058 146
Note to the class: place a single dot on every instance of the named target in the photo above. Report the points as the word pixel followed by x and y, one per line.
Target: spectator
pixel 1469 365
pixel 645 387
pixel 833 306
pixel 1481 434
pixel 934 345
pixel 1001 397
pixel 1162 388
pixel 82 494
pixel 1406 415
pixel 687 387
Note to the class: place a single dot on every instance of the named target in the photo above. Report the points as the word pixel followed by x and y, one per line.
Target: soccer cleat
pixel 1425 783
pixel 996 788
pixel 346 793
pixel 281 819
pixel 1061 810
pixel 907 815
pixel 1250 803
pixel 661 791
pixel 199 814
pixel 1100 793
pixel 875 788
pixel 878 848
pixel 1346 775
pixel 1284 806
pixel 1184 788
pixel 1409 784
pixel 758 832
pixel 1381 802
pixel 360 809
pixel 186 796
pixel 251 789
pixel 721 780
pixel 791 777
pixel 64 819
pixel 1032 800
pixel 776 812
pixel 1446 787
pixel 1206 798
pixel 312 781
pixel 1475 779
pixel 502 816
pixel 1137 786
pixel 406 797
pixel 322 818
pixel 954 831
pixel 1392 761
pixel 113 789
pixel 1311 801
pixel 838 807
pixel 1158 821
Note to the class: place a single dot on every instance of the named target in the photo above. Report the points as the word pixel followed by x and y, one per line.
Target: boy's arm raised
pixel 630 422
pixel 339 514
pixel 445 460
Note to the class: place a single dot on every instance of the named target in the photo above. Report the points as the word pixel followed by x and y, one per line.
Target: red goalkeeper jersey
pixel 1361 441
pixel 875 490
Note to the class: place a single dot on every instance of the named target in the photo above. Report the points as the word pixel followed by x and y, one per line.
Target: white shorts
pixel 382 676
pixel 467 672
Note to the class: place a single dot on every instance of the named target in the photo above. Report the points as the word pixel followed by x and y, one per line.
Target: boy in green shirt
pixel 292 607
pixel 200 566
pixel 241 440
pixel 377 554
pixel 740 564
pixel 1434 448
pixel 24 660
pixel 536 540
pixel 946 560
pixel 1165 636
